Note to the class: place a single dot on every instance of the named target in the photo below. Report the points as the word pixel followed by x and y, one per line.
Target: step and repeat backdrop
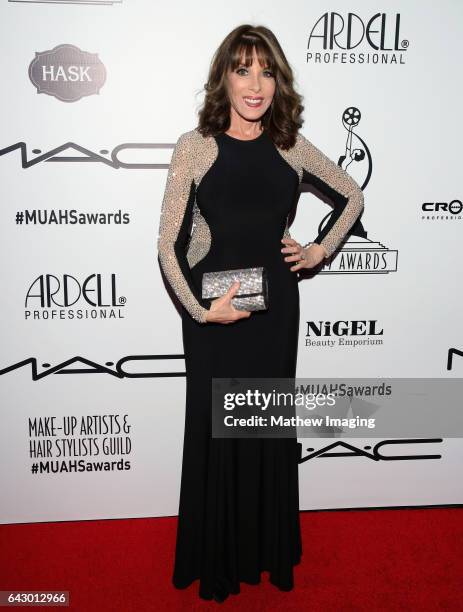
pixel 92 375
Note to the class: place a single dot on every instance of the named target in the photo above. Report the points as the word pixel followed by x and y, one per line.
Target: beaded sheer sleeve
pixel 334 182
pixel 175 220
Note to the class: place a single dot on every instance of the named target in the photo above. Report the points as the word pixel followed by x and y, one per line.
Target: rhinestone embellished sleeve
pixel 177 197
pixel 334 181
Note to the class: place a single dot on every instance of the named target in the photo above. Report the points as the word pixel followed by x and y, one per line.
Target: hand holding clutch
pixel 253 290
pixel 222 309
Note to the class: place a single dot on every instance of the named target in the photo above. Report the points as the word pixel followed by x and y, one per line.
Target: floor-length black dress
pixel 239 499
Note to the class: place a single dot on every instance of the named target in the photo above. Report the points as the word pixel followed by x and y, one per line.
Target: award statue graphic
pixel 358 253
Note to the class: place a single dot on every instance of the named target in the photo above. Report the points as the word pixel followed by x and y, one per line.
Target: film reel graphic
pixel 351 117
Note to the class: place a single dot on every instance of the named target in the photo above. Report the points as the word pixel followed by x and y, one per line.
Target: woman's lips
pixel 253 102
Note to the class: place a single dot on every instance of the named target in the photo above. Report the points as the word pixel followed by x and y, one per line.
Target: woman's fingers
pixel 298 266
pixel 223 309
pixel 305 258
pixel 293 248
pixel 295 257
pixel 233 289
pixel 289 245
pixel 237 314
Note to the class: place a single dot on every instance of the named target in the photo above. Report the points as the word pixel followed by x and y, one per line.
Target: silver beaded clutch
pixel 253 290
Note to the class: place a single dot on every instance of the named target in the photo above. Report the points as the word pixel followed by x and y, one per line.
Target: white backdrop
pixel 80 159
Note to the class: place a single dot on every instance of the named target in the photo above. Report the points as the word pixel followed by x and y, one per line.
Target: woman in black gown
pixel 231 185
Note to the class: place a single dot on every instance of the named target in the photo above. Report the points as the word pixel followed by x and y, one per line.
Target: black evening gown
pixel 239 498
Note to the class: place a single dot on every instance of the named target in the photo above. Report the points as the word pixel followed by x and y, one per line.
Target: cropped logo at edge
pixel 98 2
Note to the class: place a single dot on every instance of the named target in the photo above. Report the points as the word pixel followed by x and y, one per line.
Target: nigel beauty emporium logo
pixel 338 334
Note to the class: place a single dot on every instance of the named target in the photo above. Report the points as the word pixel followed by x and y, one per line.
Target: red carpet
pixel 357 560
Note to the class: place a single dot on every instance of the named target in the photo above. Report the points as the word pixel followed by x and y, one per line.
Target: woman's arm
pixel 176 211
pixel 334 182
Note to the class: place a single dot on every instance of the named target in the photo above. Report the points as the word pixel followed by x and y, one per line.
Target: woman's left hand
pixel 305 257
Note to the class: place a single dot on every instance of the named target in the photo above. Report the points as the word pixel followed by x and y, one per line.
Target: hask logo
pixel 349 38
pixel 358 254
pixel 67 73
pixel 51 296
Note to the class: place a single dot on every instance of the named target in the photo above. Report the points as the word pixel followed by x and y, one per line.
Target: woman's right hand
pixel 222 309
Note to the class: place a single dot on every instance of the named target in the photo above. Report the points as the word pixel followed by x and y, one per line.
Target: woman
pixel 234 179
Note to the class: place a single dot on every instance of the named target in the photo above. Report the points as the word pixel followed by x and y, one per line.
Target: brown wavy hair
pixel 282 119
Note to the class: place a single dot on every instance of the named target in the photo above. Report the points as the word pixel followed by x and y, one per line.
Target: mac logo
pixel 343 449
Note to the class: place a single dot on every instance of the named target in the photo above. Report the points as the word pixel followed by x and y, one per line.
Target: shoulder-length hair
pixel 282 119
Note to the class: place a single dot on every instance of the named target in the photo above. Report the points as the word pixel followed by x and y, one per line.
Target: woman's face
pixel 251 89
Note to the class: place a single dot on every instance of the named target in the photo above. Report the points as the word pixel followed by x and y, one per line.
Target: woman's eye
pixel 268 73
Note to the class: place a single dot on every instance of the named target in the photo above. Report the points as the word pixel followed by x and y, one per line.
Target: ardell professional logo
pixel 343 333
pixel 350 39
pixel 50 296
pixel 358 254
pixel 442 211
pixel 67 73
